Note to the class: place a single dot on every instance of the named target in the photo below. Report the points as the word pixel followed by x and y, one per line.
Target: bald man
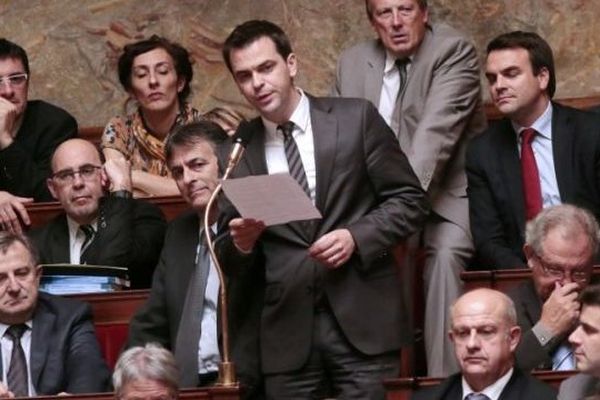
pixel 485 335
pixel 101 223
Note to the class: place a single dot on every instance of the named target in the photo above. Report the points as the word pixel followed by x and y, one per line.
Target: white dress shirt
pixel 389 88
pixel 303 135
pixel 208 347
pixel 6 344
pixel 493 391
pixel 544 156
pixel 76 239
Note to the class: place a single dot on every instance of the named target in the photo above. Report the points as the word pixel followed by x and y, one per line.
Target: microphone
pixel 240 140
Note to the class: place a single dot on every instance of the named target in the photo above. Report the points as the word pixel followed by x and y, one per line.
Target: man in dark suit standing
pixel 48 343
pixel 485 335
pixel 586 343
pixel 541 154
pixel 181 313
pixel 30 131
pixel 424 78
pixel 102 224
pixel 333 319
pixel 561 242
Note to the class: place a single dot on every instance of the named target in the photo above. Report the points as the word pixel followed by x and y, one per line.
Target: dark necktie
pixel 17 371
pixel 293 156
pixel 89 233
pixel 532 190
pixel 401 64
pixel 188 333
pixel 477 396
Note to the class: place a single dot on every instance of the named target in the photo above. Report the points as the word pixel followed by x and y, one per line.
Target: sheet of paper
pixel 275 199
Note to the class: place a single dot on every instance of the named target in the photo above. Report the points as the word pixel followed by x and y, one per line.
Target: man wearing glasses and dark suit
pixel 29 133
pixel 560 246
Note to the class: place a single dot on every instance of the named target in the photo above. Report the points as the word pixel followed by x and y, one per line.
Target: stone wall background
pixel 73 45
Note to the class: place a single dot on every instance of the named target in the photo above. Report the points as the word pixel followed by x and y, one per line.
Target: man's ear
pixel 514 337
pixel 528 251
pixel 51 188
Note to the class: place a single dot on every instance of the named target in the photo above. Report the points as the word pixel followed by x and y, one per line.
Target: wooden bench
pixel 403 388
pixel 208 393
pixel 42 213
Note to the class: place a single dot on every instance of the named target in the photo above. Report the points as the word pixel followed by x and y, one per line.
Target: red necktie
pixel 532 190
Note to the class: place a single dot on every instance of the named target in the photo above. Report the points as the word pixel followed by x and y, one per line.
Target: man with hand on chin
pixel 29 133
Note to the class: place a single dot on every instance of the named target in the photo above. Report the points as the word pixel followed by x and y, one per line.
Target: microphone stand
pixel 227 374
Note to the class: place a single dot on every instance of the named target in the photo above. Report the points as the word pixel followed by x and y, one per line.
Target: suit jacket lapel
pixel 562 149
pixel 511 166
pixel 254 157
pixel 374 75
pixel 41 337
pixel 59 241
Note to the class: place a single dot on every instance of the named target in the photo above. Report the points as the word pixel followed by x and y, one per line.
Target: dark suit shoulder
pixel 47 113
pixel 363 51
pixel 443 390
pixel 527 388
pixel 64 307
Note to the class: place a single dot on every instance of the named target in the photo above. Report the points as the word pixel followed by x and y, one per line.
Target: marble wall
pixel 74 44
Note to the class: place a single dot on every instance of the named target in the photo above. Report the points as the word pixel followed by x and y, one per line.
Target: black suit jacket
pixel 65 356
pixel 25 164
pixel 496 204
pixel 158 320
pixel 363 183
pixel 519 387
pixel 530 353
pixel 130 234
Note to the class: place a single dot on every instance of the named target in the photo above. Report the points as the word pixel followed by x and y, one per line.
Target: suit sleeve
pixel 86 370
pixel 151 321
pixel 132 237
pixel 401 203
pixel 453 99
pixel 24 172
pixel 491 244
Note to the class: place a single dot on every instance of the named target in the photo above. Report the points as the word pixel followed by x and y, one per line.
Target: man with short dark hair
pixel 424 79
pixel 541 154
pixel 182 311
pixel 560 247
pixel 48 343
pixel 586 344
pixel 101 223
pixel 333 319
pixel 29 133
pixel 485 334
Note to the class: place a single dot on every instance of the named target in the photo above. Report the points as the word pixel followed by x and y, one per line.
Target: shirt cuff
pixel 543 334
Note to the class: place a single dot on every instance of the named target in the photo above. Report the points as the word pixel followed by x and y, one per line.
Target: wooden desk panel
pixel 114 307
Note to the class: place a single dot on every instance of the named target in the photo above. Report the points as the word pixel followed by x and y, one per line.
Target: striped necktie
pixel 293 156
pixel 17 371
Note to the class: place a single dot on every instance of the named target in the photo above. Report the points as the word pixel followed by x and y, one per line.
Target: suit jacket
pixel 440 111
pixel 25 164
pixel 495 191
pixel 130 234
pixel 65 355
pixel 365 184
pixel 519 387
pixel 158 320
pixel 530 352
pixel 580 387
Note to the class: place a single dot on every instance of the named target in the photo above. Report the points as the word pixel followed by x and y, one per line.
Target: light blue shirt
pixel 544 156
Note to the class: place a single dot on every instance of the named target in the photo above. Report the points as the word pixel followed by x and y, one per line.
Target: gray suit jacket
pixel 65 355
pixel 365 184
pixel 440 111
pixel 579 387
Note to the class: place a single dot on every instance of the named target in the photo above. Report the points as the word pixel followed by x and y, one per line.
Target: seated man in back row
pixel 48 343
pixel 29 133
pixel 99 228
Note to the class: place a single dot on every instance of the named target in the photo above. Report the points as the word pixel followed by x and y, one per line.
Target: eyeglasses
pixel 15 80
pixel 558 272
pixel 67 176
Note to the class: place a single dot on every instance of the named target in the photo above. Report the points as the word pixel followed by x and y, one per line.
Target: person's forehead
pixel 16 256
pixel 254 54
pixel 11 65
pixel 590 315
pixel 200 148
pixel 73 155
pixel 152 57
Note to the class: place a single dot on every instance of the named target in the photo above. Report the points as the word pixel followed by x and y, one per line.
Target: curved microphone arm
pixel 227 374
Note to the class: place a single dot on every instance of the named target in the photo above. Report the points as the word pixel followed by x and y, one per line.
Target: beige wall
pixel 74 44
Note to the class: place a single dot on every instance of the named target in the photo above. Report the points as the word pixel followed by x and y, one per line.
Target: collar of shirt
pixel 542 125
pixel 300 117
pixel 4 327
pixel 493 391
pixel 390 63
